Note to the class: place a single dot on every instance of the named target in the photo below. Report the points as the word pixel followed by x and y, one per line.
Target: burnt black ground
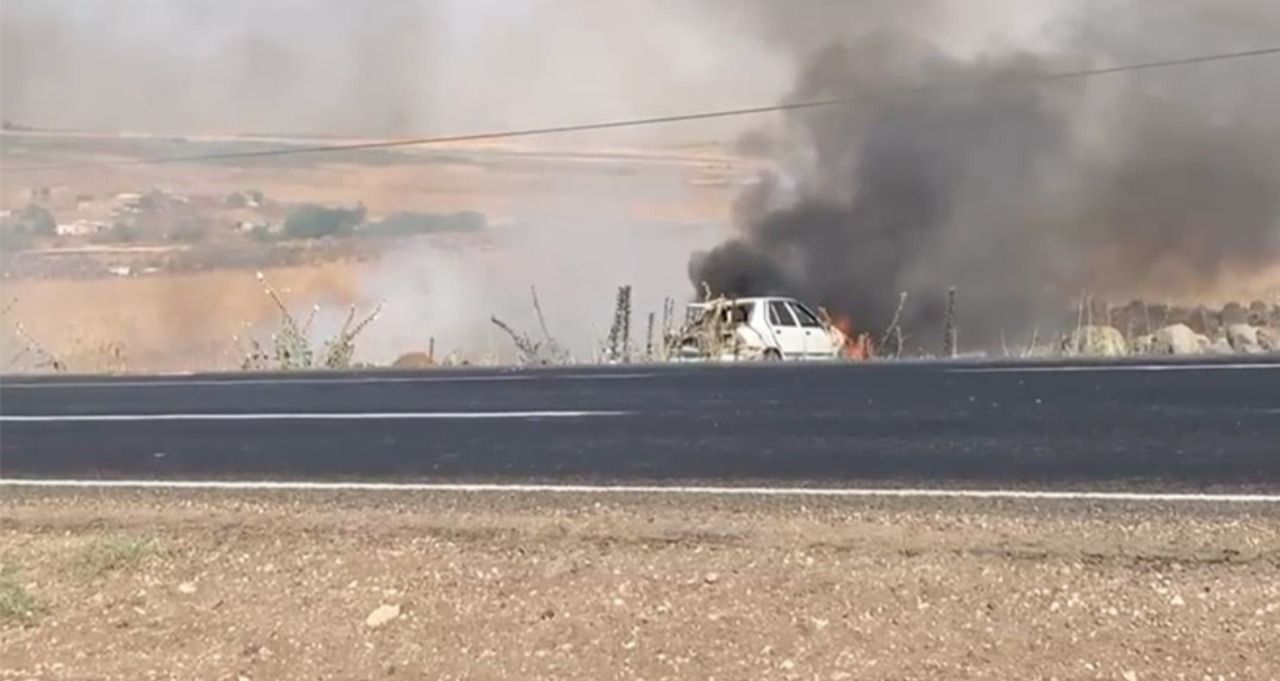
pixel 1167 426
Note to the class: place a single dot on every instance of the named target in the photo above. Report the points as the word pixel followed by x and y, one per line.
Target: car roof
pixel 748 299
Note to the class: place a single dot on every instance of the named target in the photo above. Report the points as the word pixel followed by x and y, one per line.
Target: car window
pixel 779 315
pixel 806 317
pixel 742 313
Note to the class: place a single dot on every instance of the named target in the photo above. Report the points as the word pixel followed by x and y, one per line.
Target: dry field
pixel 184 320
pixel 573 178
pixel 168 322
pixel 354 586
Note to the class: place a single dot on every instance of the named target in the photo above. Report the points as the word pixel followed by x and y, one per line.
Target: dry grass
pixel 17 605
pixel 109 553
pixel 165 323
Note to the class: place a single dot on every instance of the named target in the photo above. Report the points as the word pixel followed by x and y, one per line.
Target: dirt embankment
pixel 484 587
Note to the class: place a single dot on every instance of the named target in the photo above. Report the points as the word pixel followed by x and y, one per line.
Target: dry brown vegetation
pixel 167 323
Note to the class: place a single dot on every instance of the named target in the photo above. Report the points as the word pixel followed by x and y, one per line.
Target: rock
pixel 1269 338
pixel 711 578
pixel 1259 314
pixel 1130 676
pixel 382 615
pixel 1095 341
pixel 1220 346
pixel 1178 339
pixel 187 588
pixel 1177 601
pixel 1244 338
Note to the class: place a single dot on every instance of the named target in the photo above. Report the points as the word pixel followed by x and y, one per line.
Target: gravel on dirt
pixel 506 586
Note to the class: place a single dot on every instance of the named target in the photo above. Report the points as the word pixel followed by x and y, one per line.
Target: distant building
pixel 127 202
pixel 81 228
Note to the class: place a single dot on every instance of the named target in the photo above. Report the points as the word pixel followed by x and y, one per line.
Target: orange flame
pixel 857 346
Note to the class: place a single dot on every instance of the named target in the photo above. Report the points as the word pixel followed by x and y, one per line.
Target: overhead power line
pixel 642 122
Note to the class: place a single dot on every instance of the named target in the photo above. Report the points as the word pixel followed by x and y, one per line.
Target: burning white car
pixel 766 328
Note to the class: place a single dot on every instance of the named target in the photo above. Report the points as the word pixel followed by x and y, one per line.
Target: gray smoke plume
pixel 964 171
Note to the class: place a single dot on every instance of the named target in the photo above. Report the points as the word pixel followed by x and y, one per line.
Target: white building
pixel 80 228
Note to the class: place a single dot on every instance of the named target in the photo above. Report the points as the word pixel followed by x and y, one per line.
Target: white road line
pixel 241 382
pixel 1257 366
pixel 303 416
pixel 845 493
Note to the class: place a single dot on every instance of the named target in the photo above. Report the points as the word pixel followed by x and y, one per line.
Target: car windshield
pixel 806 317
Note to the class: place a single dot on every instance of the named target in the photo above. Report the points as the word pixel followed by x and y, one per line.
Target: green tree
pixel 313 222
pixel 36 220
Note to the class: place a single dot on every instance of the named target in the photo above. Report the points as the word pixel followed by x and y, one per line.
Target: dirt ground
pixel 356 586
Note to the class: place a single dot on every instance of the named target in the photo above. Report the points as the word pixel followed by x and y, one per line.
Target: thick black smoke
pixel 1022 193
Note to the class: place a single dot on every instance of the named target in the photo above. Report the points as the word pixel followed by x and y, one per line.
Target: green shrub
pixel 18 232
pixel 16 603
pixel 314 222
pixel 112 553
pixel 119 233
pixel 37 221
pixel 189 231
pixel 13 239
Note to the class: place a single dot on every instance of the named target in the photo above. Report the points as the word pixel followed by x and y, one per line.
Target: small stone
pixel 1177 601
pixel 1130 676
pixel 788 665
pixel 187 588
pixel 711 578
pixel 382 615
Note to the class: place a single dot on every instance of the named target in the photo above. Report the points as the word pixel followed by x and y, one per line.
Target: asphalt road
pixel 1168 426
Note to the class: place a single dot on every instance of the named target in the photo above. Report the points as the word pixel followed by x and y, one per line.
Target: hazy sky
pixel 393 67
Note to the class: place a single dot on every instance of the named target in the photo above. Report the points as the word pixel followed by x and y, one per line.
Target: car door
pixel 787 331
pixel 818 342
